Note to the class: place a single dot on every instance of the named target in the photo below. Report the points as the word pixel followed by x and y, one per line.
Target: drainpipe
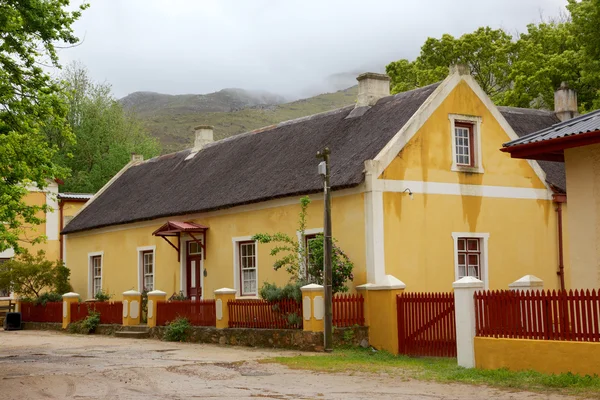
pixel 559 199
pixel 60 224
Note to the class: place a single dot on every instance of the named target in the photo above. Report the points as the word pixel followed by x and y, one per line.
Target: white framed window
pixel 245 262
pixel 309 235
pixel 471 256
pixel 466 143
pixel 146 268
pixel 95 261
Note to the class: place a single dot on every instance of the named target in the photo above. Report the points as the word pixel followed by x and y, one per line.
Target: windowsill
pixel 247 297
pixel 470 170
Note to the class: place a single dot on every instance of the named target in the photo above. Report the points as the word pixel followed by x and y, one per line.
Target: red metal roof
pixel 172 228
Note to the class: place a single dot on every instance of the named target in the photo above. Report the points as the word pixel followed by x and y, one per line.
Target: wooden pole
pixel 327 252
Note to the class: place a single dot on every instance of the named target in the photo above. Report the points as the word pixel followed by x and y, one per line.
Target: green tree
pixel 521 71
pixel 106 135
pixel 30 275
pixel 30 102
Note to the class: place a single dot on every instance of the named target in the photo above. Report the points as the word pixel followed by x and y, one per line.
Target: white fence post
pixel 528 282
pixel 464 307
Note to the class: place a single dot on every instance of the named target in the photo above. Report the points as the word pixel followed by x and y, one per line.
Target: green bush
pixel 101 295
pixel 178 296
pixel 272 292
pixel 178 330
pixel 48 297
pixel 87 325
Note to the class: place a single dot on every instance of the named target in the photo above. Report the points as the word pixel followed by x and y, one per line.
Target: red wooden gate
pixel 426 325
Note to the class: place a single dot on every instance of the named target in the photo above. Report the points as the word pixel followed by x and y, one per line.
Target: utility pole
pixel 324 171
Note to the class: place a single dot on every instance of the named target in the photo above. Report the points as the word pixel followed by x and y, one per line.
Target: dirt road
pixel 48 365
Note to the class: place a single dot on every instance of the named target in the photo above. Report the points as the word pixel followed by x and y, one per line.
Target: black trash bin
pixel 12 322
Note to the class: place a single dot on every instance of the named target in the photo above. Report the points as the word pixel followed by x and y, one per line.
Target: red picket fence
pixel 261 314
pixel 348 310
pixel 426 324
pixel 110 312
pixel 199 313
pixel 51 312
pixel 545 315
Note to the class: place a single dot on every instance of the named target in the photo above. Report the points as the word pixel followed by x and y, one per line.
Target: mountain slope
pixel 171 119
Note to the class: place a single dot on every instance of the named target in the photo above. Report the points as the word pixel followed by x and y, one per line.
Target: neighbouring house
pixel 576 143
pixel 420 193
pixel 64 206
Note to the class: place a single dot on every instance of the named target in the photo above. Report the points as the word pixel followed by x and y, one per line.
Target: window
pixel 247 263
pixel 96 266
pixel 463 141
pixel 148 270
pixel 466 143
pixel 307 240
pixel 194 248
pixel 470 255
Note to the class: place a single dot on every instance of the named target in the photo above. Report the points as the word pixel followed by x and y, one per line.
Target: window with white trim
pixel 466 143
pixel 471 255
pixel 147 270
pixel 307 240
pixel 96 274
pixel 248 265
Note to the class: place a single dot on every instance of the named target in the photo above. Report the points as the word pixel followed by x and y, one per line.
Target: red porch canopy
pixel 176 228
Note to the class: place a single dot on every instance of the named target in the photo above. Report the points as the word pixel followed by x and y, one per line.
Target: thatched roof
pixel 269 163
pixel 266 164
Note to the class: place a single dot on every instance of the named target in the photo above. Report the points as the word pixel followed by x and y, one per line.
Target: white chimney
pixel 203 136
pixel 565 102
pixel 372 87
pixel 137 157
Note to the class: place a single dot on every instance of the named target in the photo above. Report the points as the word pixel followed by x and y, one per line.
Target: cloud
pixel 289 47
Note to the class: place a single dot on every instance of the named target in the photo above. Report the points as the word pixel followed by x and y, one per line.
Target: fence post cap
pixel 364 286
pixel 313 287
pixel 527 281
pixel 225 291
pixel 157 293
pixel 468 282
pixel 389 282
pixel 70 295
pixel 131 293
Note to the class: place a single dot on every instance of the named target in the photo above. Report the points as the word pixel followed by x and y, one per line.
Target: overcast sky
pixel 288 47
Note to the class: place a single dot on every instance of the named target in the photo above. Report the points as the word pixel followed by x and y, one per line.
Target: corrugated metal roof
pixel 576 126
pixel 75 196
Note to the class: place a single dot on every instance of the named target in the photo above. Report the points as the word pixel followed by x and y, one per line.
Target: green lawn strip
pixel 439 370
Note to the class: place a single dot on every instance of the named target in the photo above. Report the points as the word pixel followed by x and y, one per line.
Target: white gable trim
pixel 408 131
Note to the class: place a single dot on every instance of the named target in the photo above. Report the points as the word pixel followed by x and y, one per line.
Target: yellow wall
pixel 51 247
pixel 120 262
pixel 419 248
pixel 548 356
pixel 583 188
pixel 70 208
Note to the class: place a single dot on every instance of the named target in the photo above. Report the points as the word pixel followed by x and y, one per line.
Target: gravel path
pixel 50 365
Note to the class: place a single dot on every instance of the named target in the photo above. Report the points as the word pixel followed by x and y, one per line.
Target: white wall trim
pixel 456 189
pixel 52 216
pixel 90 281
pixel 484 254
pixel 140 267
pixel 476 121
pixel 374 228
pixel 233 210
pixel 236 265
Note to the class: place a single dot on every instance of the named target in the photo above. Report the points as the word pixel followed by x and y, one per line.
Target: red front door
pixel 194 270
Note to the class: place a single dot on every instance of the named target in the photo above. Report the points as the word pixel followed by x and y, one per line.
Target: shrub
pixel 178 296
pixel 48 297
pixel 87 325
pixel 101 295
pixel 272 292
pixel 340 264
pixel 178 330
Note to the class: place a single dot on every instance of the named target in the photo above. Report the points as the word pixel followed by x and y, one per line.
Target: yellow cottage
pixel 421 194
pixel 63 208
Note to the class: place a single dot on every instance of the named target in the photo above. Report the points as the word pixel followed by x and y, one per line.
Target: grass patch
pixel 440 370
